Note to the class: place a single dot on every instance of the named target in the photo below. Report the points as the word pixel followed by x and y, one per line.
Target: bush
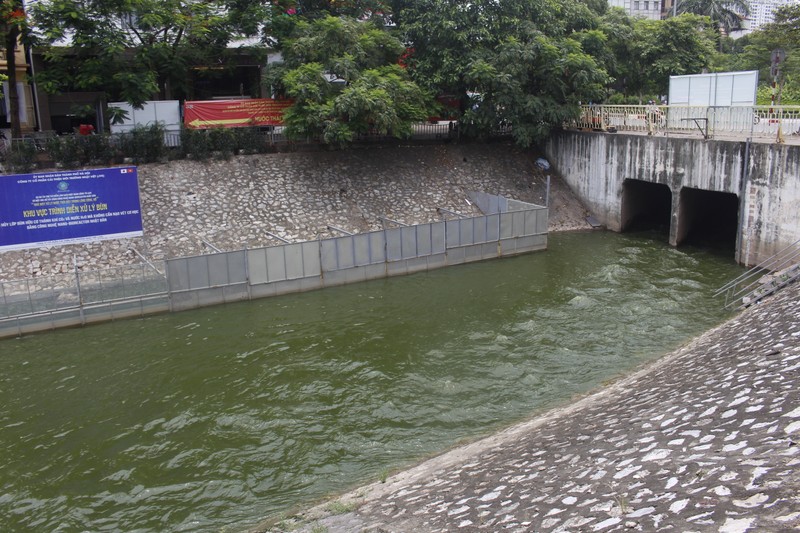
pixel 65 151
pixel 73 151
pixel 21 157
pixel 250 141
pixel 145 144
pixel 223 142
pixel 195 144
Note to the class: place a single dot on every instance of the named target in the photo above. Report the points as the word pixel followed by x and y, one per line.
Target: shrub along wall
pixel 142 145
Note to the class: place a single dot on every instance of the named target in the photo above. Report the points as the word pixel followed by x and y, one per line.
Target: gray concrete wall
pixel 595 165
pixel 770 219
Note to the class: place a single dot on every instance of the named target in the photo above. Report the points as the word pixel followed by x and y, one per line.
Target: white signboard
pixel 718 89
pixel 166 112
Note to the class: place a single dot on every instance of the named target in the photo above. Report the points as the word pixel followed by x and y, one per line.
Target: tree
pixel 14 26
pixel 514 61
pixel 753 52
pixel 727 15
pixel 671 47
pixel 344 79
pixel 132 49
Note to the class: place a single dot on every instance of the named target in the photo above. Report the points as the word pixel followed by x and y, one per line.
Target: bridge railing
pixel 775 122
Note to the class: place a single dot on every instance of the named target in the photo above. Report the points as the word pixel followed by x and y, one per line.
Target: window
pixel 636 6
pixel 647 6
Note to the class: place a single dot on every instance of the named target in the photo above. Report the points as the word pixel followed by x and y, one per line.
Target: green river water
pixel 215 419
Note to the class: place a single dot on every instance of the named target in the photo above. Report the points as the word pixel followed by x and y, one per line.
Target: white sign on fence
pixel 166 112
pixel 718 89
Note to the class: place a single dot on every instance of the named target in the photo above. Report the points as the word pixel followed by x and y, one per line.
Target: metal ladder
pixel 766 278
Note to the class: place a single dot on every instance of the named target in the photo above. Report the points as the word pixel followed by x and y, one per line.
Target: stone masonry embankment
pixel 234 204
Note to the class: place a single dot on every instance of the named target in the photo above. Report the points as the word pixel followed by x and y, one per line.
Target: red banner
pixel 205 114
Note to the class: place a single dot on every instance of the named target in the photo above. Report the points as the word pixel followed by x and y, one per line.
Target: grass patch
pixel 340 507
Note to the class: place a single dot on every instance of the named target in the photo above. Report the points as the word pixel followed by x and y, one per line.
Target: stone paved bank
pixel 234 204
pixel 706 439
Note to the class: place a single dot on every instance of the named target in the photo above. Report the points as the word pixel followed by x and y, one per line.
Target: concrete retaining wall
pixel 766 177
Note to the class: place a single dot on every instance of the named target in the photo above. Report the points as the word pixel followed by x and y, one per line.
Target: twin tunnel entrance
pixel 704 218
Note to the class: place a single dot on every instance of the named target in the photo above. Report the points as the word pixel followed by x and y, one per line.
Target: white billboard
pixel 718 89
pixel 165 112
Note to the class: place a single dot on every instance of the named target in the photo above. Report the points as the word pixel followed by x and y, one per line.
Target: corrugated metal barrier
pixel 509 228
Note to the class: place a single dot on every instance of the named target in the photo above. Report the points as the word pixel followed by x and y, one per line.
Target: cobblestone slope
pixel 236 204
pixel 706 439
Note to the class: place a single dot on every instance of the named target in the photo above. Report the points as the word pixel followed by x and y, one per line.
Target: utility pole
pixel 778 56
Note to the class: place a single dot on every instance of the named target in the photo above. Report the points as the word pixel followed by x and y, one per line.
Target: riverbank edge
pixel 343 507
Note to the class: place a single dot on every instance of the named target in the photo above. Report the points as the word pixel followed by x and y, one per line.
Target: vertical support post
pixel 547 193
pixel 743 220
pixel 78 285
pixel 247 273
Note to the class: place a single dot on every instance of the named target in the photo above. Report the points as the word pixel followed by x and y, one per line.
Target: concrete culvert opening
pixel 707 218
pixel 646 207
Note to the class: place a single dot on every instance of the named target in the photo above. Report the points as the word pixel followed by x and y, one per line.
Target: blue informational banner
pixel 69 207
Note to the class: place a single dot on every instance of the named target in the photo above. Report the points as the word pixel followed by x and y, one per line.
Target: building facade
pixel 650 9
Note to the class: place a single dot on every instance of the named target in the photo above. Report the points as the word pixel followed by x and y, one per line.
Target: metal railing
pixel 775 122
pixel 764 279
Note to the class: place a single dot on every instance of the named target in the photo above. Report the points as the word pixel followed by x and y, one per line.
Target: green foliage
pixel 117 115
pixel 142 145
pixel 727 15
pixel 132 49
pixel 74 151
pixel 221 143
pixel 753 52
pixel 790 95
pixel 344 80
pixel 195 144
pixel 519 62
pixel 145 144
pixel 648 52
pixel 20 157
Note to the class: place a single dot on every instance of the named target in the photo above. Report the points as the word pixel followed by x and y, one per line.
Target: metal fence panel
pixel 198 272
pixel 506 226
pixel 237 266
pixel 257 266
pixel 126 281
pixel 409 241
pixel 519 223
pixel 311 259
pixel 394 244
pixel 276 263
pixel 178 274
pixel 492 227
pixel 344 252
pixel 294 260
pixel 218 273
pixel 361 249
pixel 531 225
pixel 215 278
pixel 467 229
pixel 438 237
pixel 479 229
pixel 424 240
pixel 330 260
pixel 453 233
pixel 377 247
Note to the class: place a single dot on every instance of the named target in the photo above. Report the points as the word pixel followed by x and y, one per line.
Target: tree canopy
pixel 727 15
pixel 353 66
pixel 516 61
pixel 344 79
pixel 132 49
